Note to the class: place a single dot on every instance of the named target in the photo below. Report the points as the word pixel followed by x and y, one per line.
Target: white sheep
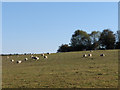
pixel 36 58
pixel 45 57
pixel 12 60
pixel 85 55
pixel 42 54
pixel 90 55
pixel 26 59
pixel 102 54
pixel 19 61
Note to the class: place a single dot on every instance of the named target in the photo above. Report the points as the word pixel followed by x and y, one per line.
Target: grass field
pixel 62 70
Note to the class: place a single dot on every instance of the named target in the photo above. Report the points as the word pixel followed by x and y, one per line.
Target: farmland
pixel 62 70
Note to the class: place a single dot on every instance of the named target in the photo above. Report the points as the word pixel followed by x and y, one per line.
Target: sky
pixel 40 27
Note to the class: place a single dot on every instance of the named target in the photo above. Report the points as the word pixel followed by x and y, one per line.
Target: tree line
pixel 96 40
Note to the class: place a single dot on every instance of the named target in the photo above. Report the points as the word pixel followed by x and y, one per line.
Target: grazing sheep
pixel 42 54
pixel 84 55
pixel 19 61
pixel 90 55
pixel 45 57
pixel 102 54
pixel 36 58
pixel 26 59
pixel 12 60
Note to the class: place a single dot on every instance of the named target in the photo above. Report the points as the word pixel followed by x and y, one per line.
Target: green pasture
pixel 62 70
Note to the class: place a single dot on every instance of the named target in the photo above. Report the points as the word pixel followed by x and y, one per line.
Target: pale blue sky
pixel 43 27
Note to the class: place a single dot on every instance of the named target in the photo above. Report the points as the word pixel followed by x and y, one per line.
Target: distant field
pixel 62 70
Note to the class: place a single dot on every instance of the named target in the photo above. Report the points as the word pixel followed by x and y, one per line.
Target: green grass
pixel 62 70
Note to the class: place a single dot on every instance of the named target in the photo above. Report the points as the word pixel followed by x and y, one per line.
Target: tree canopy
pixel 107 39
pixel 81 40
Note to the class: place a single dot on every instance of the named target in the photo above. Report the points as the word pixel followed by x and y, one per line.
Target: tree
pixel 80 40
pixel 117 46
pixel 94 36
pixel 64 48
pixel 107 39
pixel 118 35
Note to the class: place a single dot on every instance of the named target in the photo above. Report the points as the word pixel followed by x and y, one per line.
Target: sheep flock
pixel 37 57
pixel 32 57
